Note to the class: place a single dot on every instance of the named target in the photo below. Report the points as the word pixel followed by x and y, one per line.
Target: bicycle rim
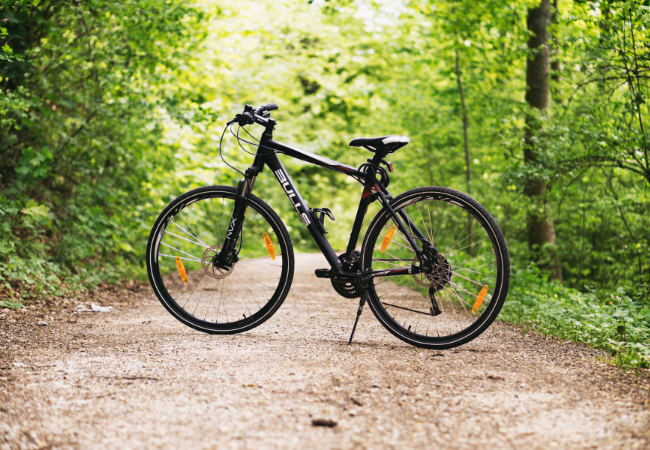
pixel 185 238
pixel 469 281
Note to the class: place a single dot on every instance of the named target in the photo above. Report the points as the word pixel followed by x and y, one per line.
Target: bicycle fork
pixel 228 254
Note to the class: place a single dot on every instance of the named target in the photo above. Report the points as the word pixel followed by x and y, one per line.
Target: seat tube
pixel 358 220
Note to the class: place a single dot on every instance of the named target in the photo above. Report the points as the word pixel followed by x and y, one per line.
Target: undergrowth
pixel 614 321
pixel 25 280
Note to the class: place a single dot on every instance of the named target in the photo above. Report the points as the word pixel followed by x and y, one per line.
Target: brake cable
pixel 221 151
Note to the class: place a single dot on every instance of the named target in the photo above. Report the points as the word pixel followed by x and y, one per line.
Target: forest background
pixel 109 110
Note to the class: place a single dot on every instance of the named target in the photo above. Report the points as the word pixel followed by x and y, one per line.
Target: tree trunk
pixel 555 60
pixel 468 168
pixel 539 224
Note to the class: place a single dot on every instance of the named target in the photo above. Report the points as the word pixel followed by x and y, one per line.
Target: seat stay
pixel 400 224
pixel 415 230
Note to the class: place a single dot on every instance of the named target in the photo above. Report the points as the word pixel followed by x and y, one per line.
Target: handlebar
pixel 257 115
pixel 267 107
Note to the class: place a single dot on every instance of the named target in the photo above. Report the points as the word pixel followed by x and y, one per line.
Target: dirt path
pixel 137 379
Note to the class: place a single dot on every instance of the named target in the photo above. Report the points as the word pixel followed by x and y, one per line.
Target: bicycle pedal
pixel 323 273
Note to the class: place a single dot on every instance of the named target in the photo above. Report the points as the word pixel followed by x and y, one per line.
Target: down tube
pixel 303 210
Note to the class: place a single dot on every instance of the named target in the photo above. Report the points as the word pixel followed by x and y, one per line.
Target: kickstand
pixel 361 303
pixel 435 309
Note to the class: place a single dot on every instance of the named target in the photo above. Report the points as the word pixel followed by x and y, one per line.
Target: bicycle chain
pixel 392 259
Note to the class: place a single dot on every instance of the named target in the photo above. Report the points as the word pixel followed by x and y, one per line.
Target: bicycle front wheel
pixel 462 294
pixel 185 238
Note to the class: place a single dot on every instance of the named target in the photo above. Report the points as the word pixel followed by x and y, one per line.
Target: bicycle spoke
pixel 208 217
pixel 475 271
pixel 403 287
pixel 210 305
pixel 251 240
pixel 216 217
pixel 194 217
pixel 468 279
pixel 408 248
pixel 180 251
pixel 252 290
pixel 480 256
pixel 252 279
pixel 197 238
pixel 192 293
pixel 194 259
pixel 188 240
pixel 196 235
pixel 452 272
pixel 407 309
pixel 462 302
pixel 259 261
pixel 225 298
pixel 389 254
pixel 423 222
pixel 258 270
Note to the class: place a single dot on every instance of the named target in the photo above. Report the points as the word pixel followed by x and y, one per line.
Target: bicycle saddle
pixel 383 144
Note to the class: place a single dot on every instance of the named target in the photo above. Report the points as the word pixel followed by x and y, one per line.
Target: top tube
pixel 313 158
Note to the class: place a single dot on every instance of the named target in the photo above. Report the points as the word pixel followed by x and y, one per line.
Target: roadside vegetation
pixel 538 109
pixel 613 321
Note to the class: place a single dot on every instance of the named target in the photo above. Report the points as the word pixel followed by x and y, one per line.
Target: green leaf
pixel 34 210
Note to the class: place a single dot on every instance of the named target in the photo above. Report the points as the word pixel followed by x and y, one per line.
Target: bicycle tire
pixel 269 221
pixel 450 282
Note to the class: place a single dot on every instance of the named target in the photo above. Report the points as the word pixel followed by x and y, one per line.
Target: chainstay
pixel 407 309
pixel 393 259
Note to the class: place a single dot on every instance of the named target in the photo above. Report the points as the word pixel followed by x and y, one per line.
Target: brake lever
pixel 243 119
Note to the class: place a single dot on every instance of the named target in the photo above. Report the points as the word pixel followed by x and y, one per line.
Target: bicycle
pixel 433 264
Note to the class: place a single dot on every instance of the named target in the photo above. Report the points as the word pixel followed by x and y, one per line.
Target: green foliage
pixel 612 321
pixel 109 110
pixel 593 146
pixel 81 87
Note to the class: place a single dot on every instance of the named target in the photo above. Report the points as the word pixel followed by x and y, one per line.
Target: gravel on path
pixel 138 379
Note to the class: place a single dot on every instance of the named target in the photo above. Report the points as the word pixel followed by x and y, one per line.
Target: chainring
pixel 349 289
pixel 209 268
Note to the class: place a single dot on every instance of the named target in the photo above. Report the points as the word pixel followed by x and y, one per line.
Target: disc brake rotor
pixel 439 276
pixel 209 268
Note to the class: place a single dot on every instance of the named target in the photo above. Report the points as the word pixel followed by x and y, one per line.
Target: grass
pixel 25 280
pixel 608 320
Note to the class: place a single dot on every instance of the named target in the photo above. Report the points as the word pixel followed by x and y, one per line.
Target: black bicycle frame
pixel 267 156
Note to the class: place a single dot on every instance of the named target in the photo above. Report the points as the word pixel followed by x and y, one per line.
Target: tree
pixel 540 228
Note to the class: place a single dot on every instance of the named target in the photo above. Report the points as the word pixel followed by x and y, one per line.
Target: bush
pixel 611 321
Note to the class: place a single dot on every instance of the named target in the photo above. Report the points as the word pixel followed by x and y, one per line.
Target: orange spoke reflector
pixel 269 246
pixel 181 269
pixel 387 238
pixel 479 300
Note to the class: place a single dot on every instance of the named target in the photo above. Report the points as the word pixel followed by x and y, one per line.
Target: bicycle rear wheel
pixel 185 238
pixel 463 293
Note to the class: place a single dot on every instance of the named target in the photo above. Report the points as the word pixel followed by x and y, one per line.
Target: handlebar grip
pixel 269 106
